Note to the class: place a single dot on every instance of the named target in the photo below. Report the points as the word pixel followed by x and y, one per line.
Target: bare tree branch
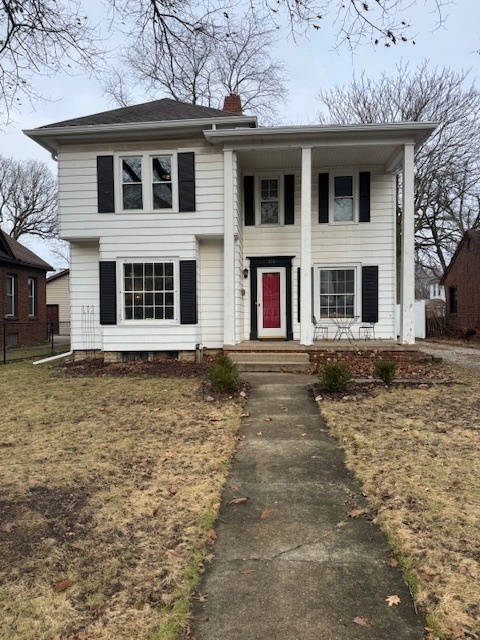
pixel 28 198
pixel 447 167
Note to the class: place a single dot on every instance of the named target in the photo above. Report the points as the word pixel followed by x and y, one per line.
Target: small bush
pixel 385 370
pixel 336 376
pixel 223 375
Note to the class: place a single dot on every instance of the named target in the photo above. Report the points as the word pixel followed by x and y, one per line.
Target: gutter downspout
pixel 60 355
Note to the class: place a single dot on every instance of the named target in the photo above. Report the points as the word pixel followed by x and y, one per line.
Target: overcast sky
pixel 313 63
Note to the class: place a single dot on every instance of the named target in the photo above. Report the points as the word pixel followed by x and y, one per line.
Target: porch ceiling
pixel 288 159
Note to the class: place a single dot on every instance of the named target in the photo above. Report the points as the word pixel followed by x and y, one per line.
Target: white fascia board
pixel 324 135
pixel 49 137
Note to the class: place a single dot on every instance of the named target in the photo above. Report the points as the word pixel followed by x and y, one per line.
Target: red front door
pixel 271 302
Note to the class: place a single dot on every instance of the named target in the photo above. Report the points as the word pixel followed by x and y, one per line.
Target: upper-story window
pixel 162 182
pixel 32 296
pixel 269 201
pixel 11 286
pixel 343 209
pixel 132 187
pixel 147 183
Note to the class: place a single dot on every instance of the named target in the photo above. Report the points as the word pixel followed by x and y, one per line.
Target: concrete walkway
pixel 467 357
pixel 289 564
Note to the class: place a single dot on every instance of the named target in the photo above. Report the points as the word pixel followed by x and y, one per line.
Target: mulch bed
pixel 165 368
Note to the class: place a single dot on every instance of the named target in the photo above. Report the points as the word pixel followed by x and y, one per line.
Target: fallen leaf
pixel 247 572
pixel 428 577
pixel 266 513
pixel 285 408
pixel 201 597
pixel 245 415
pixel 268 419
pixel 239 500
pixel 64 584
pixel 168 454
pixel 234 487
pixel 363 622
pixel 393 563
pixel 392 600
pixel 171 553
pixel 103 409
pixel 259 433
pixel 201 568
pixel 216 506
pixel 355 513
pixel 172 490
pixel 304 434
pixel 215 419
pixel 458 632
pixel 211 537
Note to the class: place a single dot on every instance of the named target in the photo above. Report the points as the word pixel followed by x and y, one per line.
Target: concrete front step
pixel 271 362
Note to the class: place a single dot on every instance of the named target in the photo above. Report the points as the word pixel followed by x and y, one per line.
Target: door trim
pixel 270 262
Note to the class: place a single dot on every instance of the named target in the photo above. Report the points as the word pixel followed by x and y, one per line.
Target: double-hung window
pixel 269 201
pixel 11 288
pixel 149 291
pixel 343 197
pixel 32 296
pixel 337 293
pixel 147 183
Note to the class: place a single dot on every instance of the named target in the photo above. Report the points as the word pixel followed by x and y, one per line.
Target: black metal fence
pixel 33 340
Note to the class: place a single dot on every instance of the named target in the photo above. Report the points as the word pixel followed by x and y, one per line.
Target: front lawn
pixel 107 487
pixel 417 453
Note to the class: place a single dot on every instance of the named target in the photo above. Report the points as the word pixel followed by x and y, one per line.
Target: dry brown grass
pixel 106 482
pixel 417 452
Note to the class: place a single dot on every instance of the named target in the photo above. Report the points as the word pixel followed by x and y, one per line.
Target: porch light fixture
pixel 245 273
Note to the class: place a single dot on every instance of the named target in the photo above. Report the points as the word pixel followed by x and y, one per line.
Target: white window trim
pixel 281 199
pixel 147 180
pixel 13 296
pixel 176 292
pixel 346 171
pixel 357 268
pixel 33 297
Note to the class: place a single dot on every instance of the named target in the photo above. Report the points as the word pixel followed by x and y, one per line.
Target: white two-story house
pixel 194 225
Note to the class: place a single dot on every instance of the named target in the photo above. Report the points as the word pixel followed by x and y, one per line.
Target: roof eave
pixel 49 137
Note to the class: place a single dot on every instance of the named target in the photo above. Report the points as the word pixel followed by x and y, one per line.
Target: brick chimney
pixel 233 104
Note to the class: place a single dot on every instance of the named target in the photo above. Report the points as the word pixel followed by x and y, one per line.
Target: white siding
pixel 79 218
pixel 84 296
pixel 211 292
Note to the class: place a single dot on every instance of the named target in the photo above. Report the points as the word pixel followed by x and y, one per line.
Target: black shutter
pixel 370 294
pixel 108 293
pixel 188 292
pixel 364 179
pixel 323 197
pixel 105 184
pixel 186 181
pixel 249 200
pixel 289 199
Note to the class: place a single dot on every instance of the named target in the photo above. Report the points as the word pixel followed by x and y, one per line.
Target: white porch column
pixel 228 251
pixel 306 327
pixel 407 271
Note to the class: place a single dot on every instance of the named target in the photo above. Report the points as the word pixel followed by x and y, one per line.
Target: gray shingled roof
pixel 156 111
pixel 18 254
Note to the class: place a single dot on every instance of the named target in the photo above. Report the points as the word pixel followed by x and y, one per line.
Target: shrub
pixel 223 375
pixel 385 370
pixel 336 376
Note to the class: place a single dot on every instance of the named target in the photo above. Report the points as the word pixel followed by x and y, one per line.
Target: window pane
pixel 148 296
pixel 162 169
pixel 269 189
pixel 132 196
pixel 269 213
pixel 343 210
pixel 343 186
pixel 337 293
pixel 132 170
pixel 162 196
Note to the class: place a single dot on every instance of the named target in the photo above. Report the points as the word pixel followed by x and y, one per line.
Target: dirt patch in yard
pixel 107 485
pixel 165 368
pixel 416 451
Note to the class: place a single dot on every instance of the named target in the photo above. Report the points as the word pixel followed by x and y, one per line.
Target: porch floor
pixel 320 345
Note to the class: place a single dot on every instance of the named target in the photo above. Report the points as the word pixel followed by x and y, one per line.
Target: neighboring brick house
pixel 462 284
pixel 23 306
